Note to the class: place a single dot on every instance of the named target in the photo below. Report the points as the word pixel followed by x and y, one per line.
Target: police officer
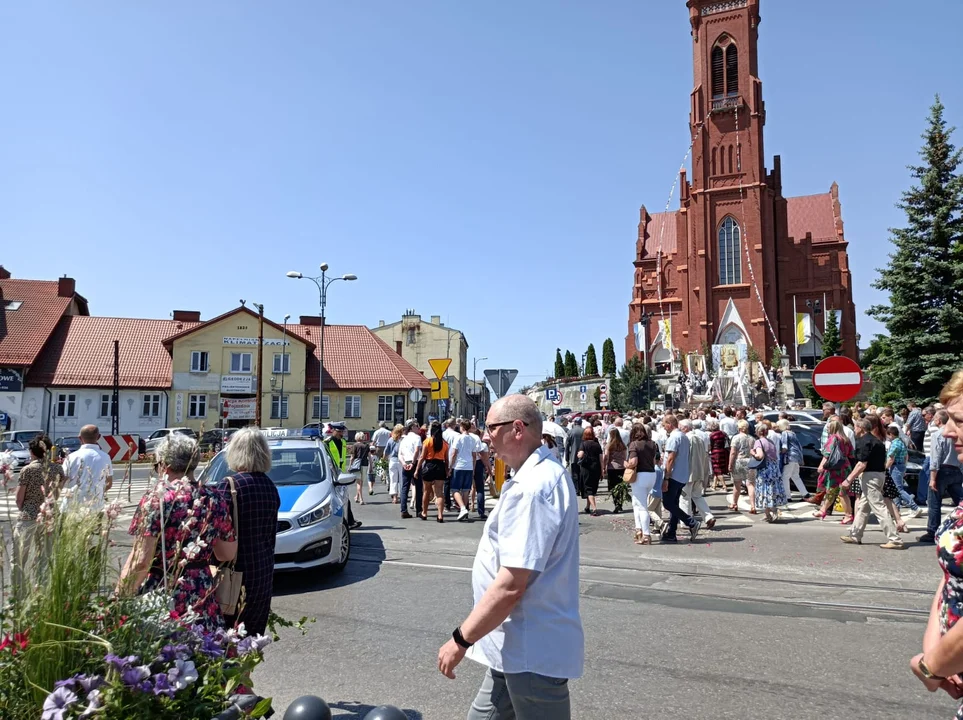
pixel 338 450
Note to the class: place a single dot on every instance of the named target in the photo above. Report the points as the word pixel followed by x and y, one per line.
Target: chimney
pixel 381 323
pixel 398 347
pixel 4 273
pixel 311 320
pixel 187 315
pixel 436 319
pixel 66 287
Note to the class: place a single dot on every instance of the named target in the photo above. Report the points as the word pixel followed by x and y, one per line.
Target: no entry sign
pixel 837 379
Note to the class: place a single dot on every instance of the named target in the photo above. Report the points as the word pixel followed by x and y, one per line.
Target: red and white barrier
pixel 121 448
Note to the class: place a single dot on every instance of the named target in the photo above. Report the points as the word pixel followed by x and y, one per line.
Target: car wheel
pixel 344 551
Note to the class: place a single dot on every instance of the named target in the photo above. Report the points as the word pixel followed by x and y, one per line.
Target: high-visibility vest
pixel 337 457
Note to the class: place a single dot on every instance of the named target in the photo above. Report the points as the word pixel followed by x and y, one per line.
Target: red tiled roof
pixel 80 353
pixel 812 214
pixel 660 226
pixel 356 359
pixel 24 331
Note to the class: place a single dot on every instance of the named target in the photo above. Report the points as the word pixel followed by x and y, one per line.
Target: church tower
pixel 729 200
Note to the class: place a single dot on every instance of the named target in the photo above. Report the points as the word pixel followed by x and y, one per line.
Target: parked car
pixel 21 436
pixel 158 436
pixel 312 524
pixel 805 416
pixel 67 445
pixel 17 451
pixel 215 440
pixel 810 434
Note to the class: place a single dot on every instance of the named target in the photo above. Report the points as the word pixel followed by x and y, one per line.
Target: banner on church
pixel 640 337
pixel 666 333
pixel 729 356
pixel 804 328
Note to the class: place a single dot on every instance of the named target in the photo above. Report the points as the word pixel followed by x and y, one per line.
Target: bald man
pixel 526 572
pixel 89 470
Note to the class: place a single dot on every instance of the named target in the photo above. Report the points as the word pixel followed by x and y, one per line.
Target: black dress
pixel 591 467
pixel 257 519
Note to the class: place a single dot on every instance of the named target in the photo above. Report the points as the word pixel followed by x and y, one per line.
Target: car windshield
pixel 289 466
pixel 156 434
pixel 10 445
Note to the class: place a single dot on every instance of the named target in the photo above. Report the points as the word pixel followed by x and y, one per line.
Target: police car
pixel 312 527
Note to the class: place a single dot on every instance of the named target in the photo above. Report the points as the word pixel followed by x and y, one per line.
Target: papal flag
pixel 666 333
pixel 640 336
pixel 804 329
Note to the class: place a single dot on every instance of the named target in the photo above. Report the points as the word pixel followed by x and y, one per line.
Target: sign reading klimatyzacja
pixel 253 341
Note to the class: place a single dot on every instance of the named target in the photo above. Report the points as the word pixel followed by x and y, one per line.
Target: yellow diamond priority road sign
pixel 439 390
pixel 440 366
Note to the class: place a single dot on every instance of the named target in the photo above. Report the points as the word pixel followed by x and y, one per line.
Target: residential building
pixel 738 264
pixel 72 381
pixel 419 341
pixel 29 313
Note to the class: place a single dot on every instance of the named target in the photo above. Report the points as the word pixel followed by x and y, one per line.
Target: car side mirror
pixel 345 479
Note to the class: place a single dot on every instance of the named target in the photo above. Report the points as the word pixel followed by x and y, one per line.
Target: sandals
pixel 819 515
pixel 901 528
pixel 734 507
pixel 752 511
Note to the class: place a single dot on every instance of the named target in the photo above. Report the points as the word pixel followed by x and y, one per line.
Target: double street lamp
pixel 323 282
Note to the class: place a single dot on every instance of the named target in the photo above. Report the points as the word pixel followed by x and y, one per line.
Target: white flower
pixel 114 509
pixel 193 549
pixel 238 633
pixel 182 674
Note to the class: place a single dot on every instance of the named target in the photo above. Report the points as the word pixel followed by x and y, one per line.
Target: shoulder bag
pixel 758 464
pixel 630 474
pixel 835 457
pixel 228 582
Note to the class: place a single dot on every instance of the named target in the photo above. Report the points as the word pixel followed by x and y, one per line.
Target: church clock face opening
pixel 736 262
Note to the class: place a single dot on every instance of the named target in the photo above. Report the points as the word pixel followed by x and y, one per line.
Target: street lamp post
pixel 323 282
pixel 474 381
pixel 284 356
pixel 645 318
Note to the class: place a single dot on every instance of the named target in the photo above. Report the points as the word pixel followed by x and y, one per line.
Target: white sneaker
pixel 463 513
pixel 918 512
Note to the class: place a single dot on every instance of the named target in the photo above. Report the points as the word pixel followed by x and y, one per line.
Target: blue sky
pixel 480 161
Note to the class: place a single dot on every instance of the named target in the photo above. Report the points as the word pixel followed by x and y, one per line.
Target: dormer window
pixel 725 69
pixel 12 304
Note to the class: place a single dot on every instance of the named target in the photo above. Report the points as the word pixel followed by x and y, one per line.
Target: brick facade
pixel 794 248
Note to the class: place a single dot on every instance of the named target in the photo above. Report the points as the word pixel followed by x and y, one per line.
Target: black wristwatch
pixel 460 639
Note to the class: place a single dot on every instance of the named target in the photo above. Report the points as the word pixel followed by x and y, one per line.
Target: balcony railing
pixel 727 103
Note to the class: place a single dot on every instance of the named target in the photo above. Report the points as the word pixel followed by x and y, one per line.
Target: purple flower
pixel 94 703
pixel 89 683
pixel 132 677
pixel 211 647
pixel 172 652
pixel 57 703
pixel 253 643
pixel 182 674
pixel 120 663
pixel 162 685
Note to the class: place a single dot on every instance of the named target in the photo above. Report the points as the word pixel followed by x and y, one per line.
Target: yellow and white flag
pixel 667 333
pixel 804 329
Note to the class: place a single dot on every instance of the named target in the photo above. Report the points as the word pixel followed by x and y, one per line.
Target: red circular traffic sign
pixel 837 378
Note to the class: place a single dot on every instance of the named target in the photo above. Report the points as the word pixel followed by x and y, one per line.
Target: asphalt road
pixel 750 621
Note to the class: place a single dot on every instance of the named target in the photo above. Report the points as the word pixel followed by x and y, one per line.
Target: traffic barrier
pixel 121 448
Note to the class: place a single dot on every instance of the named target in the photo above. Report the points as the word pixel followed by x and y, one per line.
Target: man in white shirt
pixel 409 449
pixel 379 440
pixel 462 457
pixel 525 626
pixel 89 470
pixel 450 434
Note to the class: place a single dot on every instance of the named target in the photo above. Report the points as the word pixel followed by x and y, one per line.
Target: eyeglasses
pixel 492 426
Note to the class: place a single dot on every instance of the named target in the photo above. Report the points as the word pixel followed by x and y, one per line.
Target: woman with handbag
pixel 590 469
pixel 613 460
pixel 837 461
pixel 433 468
pixel 254 502
pixel 640 474
pixel 718 454
pixel 739 448
pixel 360 452
pixel 394 464
pixel 180 527
pixel 770 495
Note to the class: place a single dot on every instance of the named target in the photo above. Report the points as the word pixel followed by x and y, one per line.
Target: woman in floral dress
pixel 833 477
pixel 941 661
pixel 770 495
pixel 196 521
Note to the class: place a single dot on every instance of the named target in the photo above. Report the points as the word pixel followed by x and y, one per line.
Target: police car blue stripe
pixel 290 495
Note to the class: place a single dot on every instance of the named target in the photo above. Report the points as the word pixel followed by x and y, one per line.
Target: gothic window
pixel 732 70
pixel 718 73
pixel 714 161
pixel 730 259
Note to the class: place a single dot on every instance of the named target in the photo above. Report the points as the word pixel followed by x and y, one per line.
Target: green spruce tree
pixel 571 366
pixel 630 389
pixel 609 367
pixel 831 340
pixel 559 365
pixel 924 277
pixel 591 361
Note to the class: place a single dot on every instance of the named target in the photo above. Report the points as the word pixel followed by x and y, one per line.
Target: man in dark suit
pixel 573 443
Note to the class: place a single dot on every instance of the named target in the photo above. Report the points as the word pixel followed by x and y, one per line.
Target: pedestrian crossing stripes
pixel 128 493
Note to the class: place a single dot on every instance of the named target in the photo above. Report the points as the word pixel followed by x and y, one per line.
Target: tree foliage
pixel 630 389
pixel 571 365
pixel 609 367
pixel 591 361
pixel 559 364
pixel 925 273
pixel 707 354
pixel 831 340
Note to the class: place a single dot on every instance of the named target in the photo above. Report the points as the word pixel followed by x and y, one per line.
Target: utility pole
pixel 284 359
pixel 260 356
pixel 115 395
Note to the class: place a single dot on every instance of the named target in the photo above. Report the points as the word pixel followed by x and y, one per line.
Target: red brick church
pixel 737 263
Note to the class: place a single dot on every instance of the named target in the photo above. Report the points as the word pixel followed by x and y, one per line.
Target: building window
pixel 106 405
pixel 386 408
pixel 724 62
pixel 325 406
pixel 279 406
pixel 199 361
pixel 240 362
pixel 732 70
pixel 718 73
pixel 730 260
pixel 66 405
pixel 411 336
pixel 151 405
pixel 352 406
pixel 282 363
pixel 197 407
